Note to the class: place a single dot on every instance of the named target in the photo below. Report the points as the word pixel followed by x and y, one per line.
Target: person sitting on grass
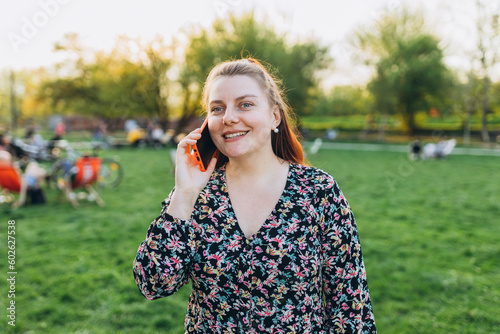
pixel 416 150
pixel 28 184
pixel 83 174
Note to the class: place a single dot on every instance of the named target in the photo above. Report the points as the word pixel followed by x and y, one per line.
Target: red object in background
pixel 87 171
pixel 9 179
pixel 433 112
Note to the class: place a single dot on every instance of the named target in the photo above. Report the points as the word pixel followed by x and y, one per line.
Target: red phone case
pixel 204 150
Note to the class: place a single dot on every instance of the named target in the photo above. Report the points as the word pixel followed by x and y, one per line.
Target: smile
pixel 235 135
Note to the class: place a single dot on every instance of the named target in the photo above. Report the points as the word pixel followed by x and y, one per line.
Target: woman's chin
pixel 234 153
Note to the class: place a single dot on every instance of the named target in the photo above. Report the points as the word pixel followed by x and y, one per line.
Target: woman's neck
pixel 251 169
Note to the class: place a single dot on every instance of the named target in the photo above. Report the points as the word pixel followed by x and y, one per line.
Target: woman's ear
pixel 276 115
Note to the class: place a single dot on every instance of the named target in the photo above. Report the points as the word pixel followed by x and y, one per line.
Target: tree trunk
pixel 484 123
pixel 188 112
pixel 467 128
pixel 410 121
pixel 470 105
pixel 381 127
pixel 163 110
pixel 13 105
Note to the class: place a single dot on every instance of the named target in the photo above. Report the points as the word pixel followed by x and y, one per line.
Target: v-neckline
pixel 273 211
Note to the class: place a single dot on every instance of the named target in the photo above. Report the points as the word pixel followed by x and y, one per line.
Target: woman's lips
pixel 234 135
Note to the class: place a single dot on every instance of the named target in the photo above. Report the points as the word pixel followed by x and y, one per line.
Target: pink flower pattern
pixel 302 272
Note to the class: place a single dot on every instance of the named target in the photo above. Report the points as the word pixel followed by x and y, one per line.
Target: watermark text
pixel 11 272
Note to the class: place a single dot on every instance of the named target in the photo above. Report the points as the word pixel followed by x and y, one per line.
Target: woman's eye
pixel 216 109
pixel 246 105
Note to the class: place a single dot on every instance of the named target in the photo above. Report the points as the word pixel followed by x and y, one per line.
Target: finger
pixel 197 130
pixel 187 149
pixel 190 138
pixel 186 143
pixel 194 132
pixel 211 166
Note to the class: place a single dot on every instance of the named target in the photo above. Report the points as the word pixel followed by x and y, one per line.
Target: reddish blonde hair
pixel 285 143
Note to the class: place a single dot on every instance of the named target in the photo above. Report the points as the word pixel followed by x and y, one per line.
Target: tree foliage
pixel 344 100
pixel 128 81
pixel 239 36
pixel 488 44
pixel 159 80
pixel 409 67
pixel 132 81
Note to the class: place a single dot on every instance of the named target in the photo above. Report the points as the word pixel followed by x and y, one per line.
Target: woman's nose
pixel 230 116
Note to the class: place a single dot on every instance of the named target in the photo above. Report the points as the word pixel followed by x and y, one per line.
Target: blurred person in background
pixel 59 130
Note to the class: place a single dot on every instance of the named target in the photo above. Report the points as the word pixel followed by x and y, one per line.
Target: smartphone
pixel 204 149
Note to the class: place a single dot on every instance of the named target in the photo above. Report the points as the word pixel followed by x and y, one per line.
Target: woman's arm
pixel 348 304
pixel 163 260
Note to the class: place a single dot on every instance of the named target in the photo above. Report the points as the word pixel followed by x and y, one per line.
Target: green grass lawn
pixel 429 231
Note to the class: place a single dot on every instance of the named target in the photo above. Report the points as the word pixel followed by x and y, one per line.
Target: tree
pixel 11 97
pixel 13 105
pixel 157 68
pixel 495 98
pixel 488 44
pixel 344 100
pixel 414 72
pixel 199 58
pixel 128 81
pixel 408 62
pixel 234 37
pixel 470 102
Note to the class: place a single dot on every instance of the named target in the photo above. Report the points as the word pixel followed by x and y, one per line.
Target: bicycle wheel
pixel 56 178
pixel 110 173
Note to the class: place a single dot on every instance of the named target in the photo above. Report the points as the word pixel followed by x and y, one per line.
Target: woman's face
pixel 240 119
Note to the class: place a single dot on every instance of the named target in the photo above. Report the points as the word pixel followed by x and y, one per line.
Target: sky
pixel 29 28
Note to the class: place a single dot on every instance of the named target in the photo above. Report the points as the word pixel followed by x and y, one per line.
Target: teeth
pixel 234 135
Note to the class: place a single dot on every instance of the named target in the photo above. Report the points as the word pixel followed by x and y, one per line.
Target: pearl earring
pixel 276 130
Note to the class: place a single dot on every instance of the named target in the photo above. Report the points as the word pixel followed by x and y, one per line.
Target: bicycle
pixel 110 172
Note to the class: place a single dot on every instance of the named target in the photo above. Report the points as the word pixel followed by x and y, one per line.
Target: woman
pixel 269 244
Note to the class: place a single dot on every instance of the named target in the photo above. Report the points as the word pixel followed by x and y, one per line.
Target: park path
pixel 400 148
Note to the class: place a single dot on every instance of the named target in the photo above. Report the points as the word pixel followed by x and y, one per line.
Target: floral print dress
pixel 302 272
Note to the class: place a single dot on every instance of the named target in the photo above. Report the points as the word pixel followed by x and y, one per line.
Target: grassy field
pixel 429 231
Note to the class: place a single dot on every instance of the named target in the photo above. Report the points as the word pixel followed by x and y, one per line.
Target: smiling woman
pixel 255 84
pixel 269 244
pixel 240 118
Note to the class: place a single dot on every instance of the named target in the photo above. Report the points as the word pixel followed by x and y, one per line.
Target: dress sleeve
pixel 347 299
pixel 164 259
